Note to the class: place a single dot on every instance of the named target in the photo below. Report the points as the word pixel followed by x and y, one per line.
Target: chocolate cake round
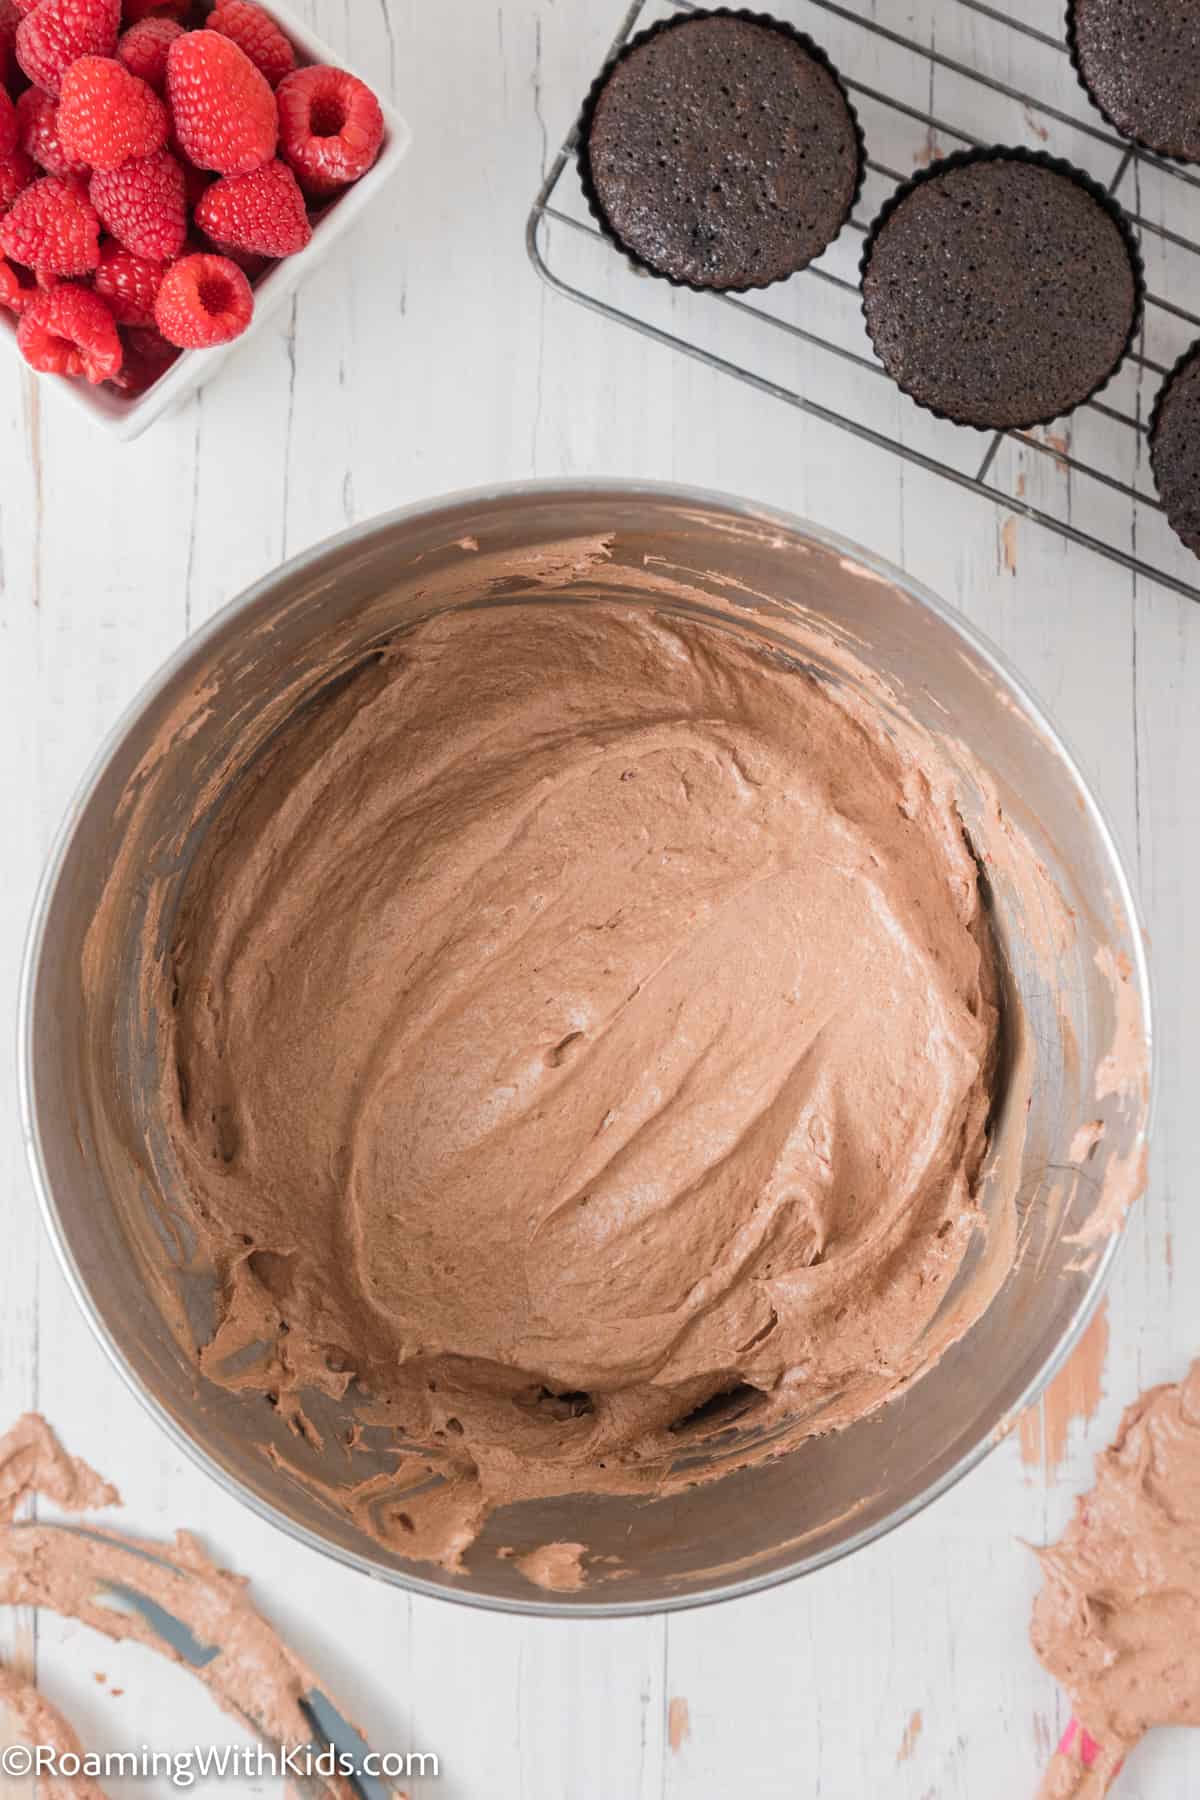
pixel 1140 62
pixel 1001 290
pixel 721 151
pixel 1175 448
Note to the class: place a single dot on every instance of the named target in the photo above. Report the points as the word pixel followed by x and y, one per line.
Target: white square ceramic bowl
pixel 126 417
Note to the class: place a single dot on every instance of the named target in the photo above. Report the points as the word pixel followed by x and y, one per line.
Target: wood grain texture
pixel 427 357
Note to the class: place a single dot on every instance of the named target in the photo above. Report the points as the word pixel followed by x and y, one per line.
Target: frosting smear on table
pixel 169 1597
pixel 1118 1619
pixel 584 1028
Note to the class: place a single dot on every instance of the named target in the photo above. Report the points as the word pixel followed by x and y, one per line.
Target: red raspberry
pixel 61 31
pixel 251 264
pixel 257 34
pixel 10 18
pixel 222 107
pixel 25 7
pixel 330 127
pixel 18 286
pixel 196 183
pixel 147 356
pixel 106 116
pixel 128 283
pixel 37 117
pixel 144 206
pixel 137 10
pixel 8 124
pixel 52 226
pixel 143 50
pixel 263 212
pixel 203 300
pixel 70 331
pixel 16 173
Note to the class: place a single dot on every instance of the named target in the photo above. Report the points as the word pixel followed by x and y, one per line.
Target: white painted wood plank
pixel 21 645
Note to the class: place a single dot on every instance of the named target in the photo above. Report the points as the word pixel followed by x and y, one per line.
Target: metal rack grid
pixel 804 341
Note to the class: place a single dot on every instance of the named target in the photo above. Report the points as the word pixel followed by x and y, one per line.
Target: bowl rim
pixel 428 511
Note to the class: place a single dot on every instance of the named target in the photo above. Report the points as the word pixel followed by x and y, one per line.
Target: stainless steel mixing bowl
pixel 758 572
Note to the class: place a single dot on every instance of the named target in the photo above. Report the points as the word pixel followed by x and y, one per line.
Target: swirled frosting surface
pixel 584 1030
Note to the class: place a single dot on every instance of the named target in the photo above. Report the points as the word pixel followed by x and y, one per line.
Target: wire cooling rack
pixel 962 73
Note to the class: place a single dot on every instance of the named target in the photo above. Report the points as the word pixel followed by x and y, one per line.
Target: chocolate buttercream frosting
pixel 584 1027
pixel 1118 1619
pixel 125 1588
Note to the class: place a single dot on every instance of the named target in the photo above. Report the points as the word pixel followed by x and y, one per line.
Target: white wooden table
pixel 427 358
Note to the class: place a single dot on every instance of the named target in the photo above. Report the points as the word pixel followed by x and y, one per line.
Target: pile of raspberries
pixel 151 172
